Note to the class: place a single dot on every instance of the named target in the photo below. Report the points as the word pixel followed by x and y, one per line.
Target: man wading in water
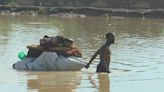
pixel 104 53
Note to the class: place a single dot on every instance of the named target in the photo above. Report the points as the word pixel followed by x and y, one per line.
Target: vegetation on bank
pixel 6 2
pixel 124 8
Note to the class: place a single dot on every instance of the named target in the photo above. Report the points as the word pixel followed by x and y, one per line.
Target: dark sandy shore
pixel 80 11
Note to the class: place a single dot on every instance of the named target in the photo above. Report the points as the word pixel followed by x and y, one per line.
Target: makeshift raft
pixel 52 54
pixel 50 61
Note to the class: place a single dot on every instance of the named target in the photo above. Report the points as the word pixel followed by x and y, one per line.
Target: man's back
pixel 104 54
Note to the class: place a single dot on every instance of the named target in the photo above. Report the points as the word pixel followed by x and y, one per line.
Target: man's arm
pixel 92 58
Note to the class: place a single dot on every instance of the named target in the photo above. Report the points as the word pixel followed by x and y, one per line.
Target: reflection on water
pixel 137 55
pixel 67 82
pixel 104 83
pixel 58 81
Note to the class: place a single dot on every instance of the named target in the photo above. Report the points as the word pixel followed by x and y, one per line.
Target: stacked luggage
pixel 56 53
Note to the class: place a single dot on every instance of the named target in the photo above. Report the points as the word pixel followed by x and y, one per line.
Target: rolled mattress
pixel 50 61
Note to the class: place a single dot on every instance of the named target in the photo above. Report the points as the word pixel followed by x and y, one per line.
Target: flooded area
pixel 137 62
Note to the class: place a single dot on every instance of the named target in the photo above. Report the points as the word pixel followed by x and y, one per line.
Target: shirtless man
pixel 104 53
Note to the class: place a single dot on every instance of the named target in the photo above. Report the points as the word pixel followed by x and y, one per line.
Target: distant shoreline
pixel 80 11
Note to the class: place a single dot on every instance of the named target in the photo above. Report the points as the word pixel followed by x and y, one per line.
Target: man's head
pixel 110 37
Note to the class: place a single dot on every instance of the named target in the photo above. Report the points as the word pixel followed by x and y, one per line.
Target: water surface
pixel 137 56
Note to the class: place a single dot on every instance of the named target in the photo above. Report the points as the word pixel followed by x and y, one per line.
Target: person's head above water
pixel 110 38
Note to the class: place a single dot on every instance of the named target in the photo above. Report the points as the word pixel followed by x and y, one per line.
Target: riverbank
pixel 79 11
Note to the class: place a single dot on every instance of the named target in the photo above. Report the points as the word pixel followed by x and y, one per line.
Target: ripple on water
pixel 136 60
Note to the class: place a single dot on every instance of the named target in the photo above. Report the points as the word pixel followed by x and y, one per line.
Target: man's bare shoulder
pixel 103 48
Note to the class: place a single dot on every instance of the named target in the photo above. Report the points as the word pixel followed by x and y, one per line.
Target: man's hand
pixel 87 66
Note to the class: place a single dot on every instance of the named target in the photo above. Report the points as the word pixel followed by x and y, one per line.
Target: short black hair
pixel 109 35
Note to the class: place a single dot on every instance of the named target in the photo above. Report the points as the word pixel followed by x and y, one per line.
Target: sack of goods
pixel 56 53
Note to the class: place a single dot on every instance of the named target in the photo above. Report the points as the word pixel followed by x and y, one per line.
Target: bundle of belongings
pixel 56 53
